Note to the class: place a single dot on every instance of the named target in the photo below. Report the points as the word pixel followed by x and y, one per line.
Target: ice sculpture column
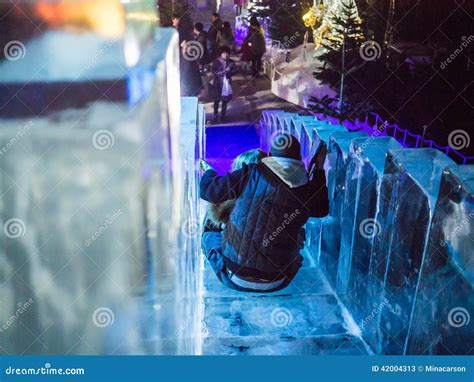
pixel 409 191
pixel 337 162
pixel 189 285
pixel 90 180
pixel 445 293
pixel 358 225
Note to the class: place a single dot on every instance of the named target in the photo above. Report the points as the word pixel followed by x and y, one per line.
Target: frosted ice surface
pixel 98 194
pixel 336 165
pixel 61 56
pixel 423 165
pixel 284 120
pixel 446 287
pixel 362 188
pixel 322 133
pixel 374 150
pixel 74 192
pixel 409 192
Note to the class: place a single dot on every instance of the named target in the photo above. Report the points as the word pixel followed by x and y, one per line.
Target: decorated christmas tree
pixel 341 21
pixel 340 41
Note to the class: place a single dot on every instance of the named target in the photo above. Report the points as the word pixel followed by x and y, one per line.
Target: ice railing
pixel 95 184
pixel 397 245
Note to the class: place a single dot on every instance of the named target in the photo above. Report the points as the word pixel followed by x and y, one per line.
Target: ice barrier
pixel 189 282
pixel 391 280
pixel 337 163
pixel 93 193
pixel 446 288
pixel 363 178
pixel 407 200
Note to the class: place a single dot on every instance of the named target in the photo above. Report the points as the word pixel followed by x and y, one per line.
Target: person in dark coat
pixel 218 214
pixel 223 68
pixel 225 37
pixel 246 55
pixel 258 250
pixel 216 24
pixel 190 76
pixel 203 40
pixel 256 40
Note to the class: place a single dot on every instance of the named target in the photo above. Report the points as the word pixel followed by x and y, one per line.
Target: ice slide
pixel 100 247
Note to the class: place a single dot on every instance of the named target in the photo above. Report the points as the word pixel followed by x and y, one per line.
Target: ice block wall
pixel 407 200
pixel 189 282
pixel 337 163
pixel 445 293
pixel 363 178
pixel 92 191
pixel 403 221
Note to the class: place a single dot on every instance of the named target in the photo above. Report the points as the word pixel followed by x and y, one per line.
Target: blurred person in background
pixel 190 76
pixel 225 37
pixel 238 6
pixel 216 24
pixel 223 68
pixel 256 41
pixel 201 37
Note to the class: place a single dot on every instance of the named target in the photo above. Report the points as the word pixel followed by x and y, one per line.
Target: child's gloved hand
pixel 204 166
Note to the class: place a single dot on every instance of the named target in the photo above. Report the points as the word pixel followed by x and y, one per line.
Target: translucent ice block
pixel 284 121
pixel 338 159
pixel 363 178
pixel 336 164
pixel 189 260
pixel 268 127
pixel 297 125
pixel 445 293
pixel 93 184
pixel 307 136
pixel 410 188
pixel 321 133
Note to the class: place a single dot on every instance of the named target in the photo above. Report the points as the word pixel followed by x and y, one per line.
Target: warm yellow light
pixel 106 17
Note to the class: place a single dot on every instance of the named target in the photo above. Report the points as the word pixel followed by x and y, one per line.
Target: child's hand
pixel 204 166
